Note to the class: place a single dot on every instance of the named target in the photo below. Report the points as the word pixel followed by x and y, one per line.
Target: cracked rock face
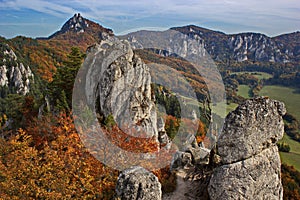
pixel 255 178
pixel 247 147
pixel 139 184
pixel 252 127
pixel 123 84
pixel 13 74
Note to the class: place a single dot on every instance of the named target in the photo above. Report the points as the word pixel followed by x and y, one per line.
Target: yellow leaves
pixel 3 120
pixel 65 127
pixel 58 168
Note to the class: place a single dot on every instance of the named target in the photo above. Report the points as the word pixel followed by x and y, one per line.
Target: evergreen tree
pixel 62 85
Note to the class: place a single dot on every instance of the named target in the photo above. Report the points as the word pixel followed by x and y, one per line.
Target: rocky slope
pixel 247 46
pixel 148 187
pixel 122 84
pixel 248 164
pixel 250 160
pixel 15 77
pixel 79 25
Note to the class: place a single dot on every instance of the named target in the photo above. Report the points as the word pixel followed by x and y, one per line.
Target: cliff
pixel 246 46
pixel 15 77
pixel 246 164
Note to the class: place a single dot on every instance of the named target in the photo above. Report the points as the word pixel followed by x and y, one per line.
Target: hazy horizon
pixel 40 18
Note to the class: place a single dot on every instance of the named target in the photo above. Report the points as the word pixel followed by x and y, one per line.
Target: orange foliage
pixel 59 168
pixel 291 182
pixel 167 179
pixel 129 143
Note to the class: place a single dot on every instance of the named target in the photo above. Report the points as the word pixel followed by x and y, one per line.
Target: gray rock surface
pixel 122 82
pixel 248 151
pixel 181 160
pixel 254 126
pixel 192 154
pixel 255 178
pixel 200 155
pixel 246 46
pixel 137 183
pixel 13 74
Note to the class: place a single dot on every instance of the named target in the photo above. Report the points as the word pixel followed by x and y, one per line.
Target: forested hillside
pixel 41 154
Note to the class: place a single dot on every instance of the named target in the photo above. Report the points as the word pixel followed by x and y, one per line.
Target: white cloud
pixel 270 16
pixel 38 5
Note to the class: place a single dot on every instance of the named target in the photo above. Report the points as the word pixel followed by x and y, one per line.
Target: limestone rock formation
pixel 255 178
pixel 246 46
pixel 248 151
pixel 181 160
pixel 139 184
pixel 191 155
pixel 252 127
pixel 78 25
pixel 14 75
pixel 122 83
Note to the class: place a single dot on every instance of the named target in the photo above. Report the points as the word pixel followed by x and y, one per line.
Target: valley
pixel 37 77
pixel 291 98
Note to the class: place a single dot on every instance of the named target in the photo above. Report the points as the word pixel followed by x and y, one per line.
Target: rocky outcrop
pixel 246 164
pixel 163 138
pixel 139 184
pixel 256 47
pixel 257 177
pixel 193 155
pixel 246 46
pixel 248 151
pixel 14 75
pixel 254 126
pixel 78 24
pixel 122 84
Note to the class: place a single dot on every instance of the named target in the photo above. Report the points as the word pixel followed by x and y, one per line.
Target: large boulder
pixel 248 151
pixel 254 126
pixel 255 178
pixel 136 183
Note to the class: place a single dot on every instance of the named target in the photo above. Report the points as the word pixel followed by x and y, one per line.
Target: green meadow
pixel 258 75
pixel 285 94
pixel 243 90
pixel 293 157
pixel 292 102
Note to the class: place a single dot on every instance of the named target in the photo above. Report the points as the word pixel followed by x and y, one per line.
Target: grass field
pixel 291 159
pixel 218 109
pixel 292 103
pixel 295 146
pixel 286 95
pixel 262 75
pixel 259 75
pixel 243 90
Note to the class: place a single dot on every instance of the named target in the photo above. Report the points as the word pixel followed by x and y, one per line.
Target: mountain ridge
pixel 247 46
pixel 240 47
pixel 79 24
pixel 49 53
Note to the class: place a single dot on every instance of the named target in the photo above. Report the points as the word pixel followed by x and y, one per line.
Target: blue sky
pixel 35 18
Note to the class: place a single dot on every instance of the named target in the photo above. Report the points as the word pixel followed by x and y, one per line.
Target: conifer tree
pixel 62 85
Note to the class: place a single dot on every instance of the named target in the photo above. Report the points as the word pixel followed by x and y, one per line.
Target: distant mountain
pixel 253 47
pixel 77 31
pixel 78 25
pixel 44 55
pixel 241 47
pixel 289 43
